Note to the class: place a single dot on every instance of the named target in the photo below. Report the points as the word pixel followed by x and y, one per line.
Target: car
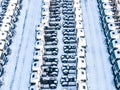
pixel 47 59
pixel 50 35
pixel 81 75
pixel 69 30
pixel 64 60
pixel 4 36
pixel 51 82
pixel 3 58
pixel 1 70
pixel 50 38
pixel 50 32
pixel 50 63
pixel 70 47
pixel 35 78
pixel 51 51
pixel 68 81
pixel 113 45
pixel 53 41
pixel 55 19
pixel 36 65
pixel 37 55
pixel 34 87
pixel 116 67
pixel 68 12
pixel 68 56
pixel 39 44
pixel 72 41
pixel 117 80
pixel 81 63
pixel 82 86
pixel 50 70
pixel 74 51
pixel 69 69
pixel 4 48
pixel 114 56
pixel 55 24
pixel 69 37
pixel 68 25
pixel 112 35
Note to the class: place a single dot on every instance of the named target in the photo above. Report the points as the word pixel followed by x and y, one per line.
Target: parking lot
pixel 59 45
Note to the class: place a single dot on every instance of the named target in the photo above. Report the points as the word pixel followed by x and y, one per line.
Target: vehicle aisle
pixel 99 71
pixel 18 68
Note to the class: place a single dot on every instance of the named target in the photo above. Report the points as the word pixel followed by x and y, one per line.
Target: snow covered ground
pixel 99 71
pixel 18 68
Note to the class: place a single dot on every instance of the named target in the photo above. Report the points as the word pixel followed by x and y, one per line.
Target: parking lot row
pixel 110 17
pixel 64 16
pixel 81 49
pixel 8 17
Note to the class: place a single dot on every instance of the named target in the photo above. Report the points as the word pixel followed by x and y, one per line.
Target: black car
pixel 51 41
pixel 51 51
pixel 51 82
pixel 51 70
pixel 68 81
pixel 47 59
pixel 50 32
pixel 66 41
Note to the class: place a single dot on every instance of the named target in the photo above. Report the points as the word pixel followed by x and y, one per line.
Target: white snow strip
pixel 98 66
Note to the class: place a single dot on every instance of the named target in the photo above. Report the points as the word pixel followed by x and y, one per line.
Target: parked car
pixel 51 82
pixel 114 56
pixel 50 70
pixel 51 51
pixel 68 81
pixel 113 45
pixel 117 80
pixel 116 67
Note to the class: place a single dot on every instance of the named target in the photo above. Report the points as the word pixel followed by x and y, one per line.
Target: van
pixel 39 45
pixel 80 33
pixel 1 70
pixel 3 58
pixel 34 87
pixel 110 27
pixel 116 67
pixel 81 63
pixel 82 86
pixel 5 37
pixel 37 55
pixel 35 78
pixel 81 75
pixel 117 80
pixel 113 45
pixel 6 28
pixel 4 47
pixel 112 35
pixel 36 66
pixel 114 56
pixel 81 52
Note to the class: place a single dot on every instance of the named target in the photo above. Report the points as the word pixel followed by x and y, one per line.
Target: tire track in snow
pixel 17 58
pixel 27 58
pixel 99 55
pixel 90 48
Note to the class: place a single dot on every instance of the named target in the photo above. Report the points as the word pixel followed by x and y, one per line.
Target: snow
pixel 99 71
pixel 18 68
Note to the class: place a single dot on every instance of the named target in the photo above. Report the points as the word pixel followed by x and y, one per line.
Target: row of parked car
pixel 69 57
pixel 45 62
pixel 110 17
pixel 81 49
pixel 8 17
